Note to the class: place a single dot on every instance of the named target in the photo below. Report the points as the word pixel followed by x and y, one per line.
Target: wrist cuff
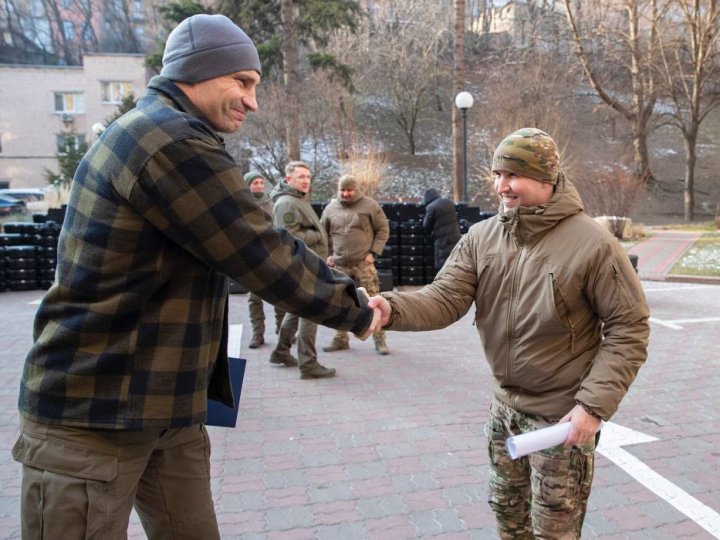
pixel 588 410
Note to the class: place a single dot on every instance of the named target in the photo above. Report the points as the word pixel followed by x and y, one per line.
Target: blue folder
pixel 219 414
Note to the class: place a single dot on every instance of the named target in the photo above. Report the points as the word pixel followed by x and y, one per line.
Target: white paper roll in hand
pixel 533 441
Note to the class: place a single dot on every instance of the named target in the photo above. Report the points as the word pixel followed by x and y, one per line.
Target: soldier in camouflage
pixel 563 322
pixel 357 229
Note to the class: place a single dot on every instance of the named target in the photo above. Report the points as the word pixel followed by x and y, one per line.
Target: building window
pixel 69 102
pixel 62 140
pixel 115 91
pixel 68 30
pixel 87 33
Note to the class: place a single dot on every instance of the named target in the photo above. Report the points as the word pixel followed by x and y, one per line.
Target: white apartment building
pixel 40 105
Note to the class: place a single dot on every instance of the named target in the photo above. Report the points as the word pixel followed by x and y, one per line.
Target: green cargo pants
pixel 83 483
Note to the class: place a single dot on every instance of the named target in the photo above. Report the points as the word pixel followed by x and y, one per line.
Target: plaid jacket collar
pixel 165 88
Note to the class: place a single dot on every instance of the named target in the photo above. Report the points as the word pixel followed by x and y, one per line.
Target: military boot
pixel 257 340
pixel 339 343
pixel 279 315
pixel 380 346
pixel 283 358
pixel 314 370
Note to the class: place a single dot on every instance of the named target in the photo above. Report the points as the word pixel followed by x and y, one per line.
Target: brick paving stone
pixel 340 491
pixel 425 500
pixel 247 500
pixel 365 470
pixel 381 507
pixel 393 527
pixel 295 534
pixel 287 518
pixel 320 476
pixel 336 512
pixel 413 482
pixel 393 447
pixel 346 531
pixel 373 487
pixel 436 522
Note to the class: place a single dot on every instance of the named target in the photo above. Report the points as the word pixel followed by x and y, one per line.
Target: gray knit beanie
pixel 252 175
pixel 207 46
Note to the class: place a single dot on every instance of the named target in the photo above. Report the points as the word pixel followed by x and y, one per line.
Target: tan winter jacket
pixel 559 309
pixel 292 211
pixel 355 229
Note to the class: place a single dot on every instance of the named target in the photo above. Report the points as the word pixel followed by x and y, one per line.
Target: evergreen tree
pixel 68 160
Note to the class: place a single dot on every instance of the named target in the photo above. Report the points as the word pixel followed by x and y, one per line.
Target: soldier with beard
pixel 357 229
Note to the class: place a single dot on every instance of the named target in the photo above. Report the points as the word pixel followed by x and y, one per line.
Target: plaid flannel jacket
pixel 133 332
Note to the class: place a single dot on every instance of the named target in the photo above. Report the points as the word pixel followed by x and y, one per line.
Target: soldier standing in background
pixel 256 182
pixel 441 222
pixel 358 230
pixel 292 211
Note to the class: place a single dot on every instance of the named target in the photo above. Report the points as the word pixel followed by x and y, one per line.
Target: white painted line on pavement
pixel 234 340
pixel 667 324
pixel 675 323
pixel 614 436
pixel 700 513
pixel 35 302
pixel 690 287
pixel 692 321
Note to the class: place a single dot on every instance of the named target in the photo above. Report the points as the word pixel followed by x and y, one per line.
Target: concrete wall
pixel 29 123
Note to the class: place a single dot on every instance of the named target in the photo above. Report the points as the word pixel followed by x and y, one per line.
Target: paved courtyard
pixel 393 447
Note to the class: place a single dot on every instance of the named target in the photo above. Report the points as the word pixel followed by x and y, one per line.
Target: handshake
pixel 381 312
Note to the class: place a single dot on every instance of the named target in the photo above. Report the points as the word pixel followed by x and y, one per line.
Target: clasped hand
pixel 381 313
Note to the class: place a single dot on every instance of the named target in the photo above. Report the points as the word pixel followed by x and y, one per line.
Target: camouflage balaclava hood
pixel 347 181
pixel 528 152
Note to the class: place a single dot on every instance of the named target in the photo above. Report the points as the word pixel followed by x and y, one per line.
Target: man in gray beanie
pixel 131 339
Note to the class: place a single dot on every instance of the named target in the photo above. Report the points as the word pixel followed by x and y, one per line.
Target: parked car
pixel 10 205
pixel 33 198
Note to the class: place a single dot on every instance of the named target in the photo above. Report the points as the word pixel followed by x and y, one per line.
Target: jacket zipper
pixel 511 311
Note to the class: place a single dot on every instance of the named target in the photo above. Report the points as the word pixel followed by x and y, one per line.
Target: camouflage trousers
pixel 257 315
pixel 542 495
pixel 365 275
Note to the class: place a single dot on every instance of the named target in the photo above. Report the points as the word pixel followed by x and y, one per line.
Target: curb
pixel 705 280
pixel 680 278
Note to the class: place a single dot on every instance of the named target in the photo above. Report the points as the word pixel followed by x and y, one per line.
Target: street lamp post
pixel 97 128
pixel 464 101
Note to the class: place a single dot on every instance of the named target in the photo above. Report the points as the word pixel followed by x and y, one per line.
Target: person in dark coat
pixel 441 222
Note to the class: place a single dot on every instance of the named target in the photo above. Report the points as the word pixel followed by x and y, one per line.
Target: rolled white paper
pixel 533 441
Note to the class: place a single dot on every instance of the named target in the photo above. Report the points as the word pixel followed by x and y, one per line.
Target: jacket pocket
pixel 562 308
pixel 49 453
